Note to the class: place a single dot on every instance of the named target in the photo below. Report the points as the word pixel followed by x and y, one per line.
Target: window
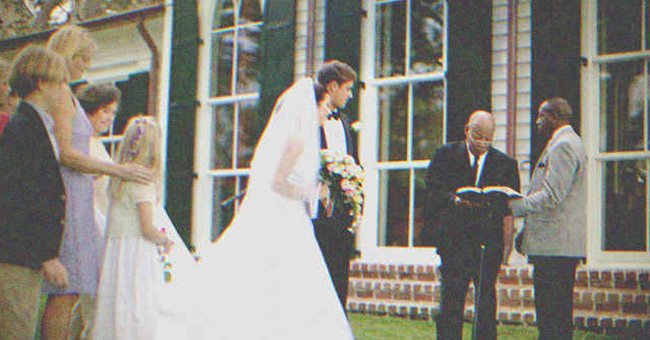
pixel 621 52
pixel 407 83
pixel 233 100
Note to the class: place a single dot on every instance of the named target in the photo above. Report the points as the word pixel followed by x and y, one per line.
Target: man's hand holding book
pixel 494 198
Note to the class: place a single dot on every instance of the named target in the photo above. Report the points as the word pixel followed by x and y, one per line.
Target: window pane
pixel 250 127
pixel 390 39
pixel 427 36
pixel 623 95
pixel 225 202
pixel 638 98
pixel 224 14
pixel 392 123
pixel 619 26
pixel 626 208
pixel 222 61
pixel 393 208
pixel 421 201
pixel 428 110
pixel 223 138
pixel 248 44
pixel 250 11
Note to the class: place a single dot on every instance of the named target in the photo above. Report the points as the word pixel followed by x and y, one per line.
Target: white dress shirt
pixel 48 121
pixel 335 135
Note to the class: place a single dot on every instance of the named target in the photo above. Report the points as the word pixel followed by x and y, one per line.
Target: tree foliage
pixel 21 17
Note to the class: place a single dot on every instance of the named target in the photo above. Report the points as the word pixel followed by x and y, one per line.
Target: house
pixel 424 66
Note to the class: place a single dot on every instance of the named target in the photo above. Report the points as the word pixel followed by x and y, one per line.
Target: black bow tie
pixel 334 115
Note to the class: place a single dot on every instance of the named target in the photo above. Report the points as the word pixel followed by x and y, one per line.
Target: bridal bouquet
pixel 344 178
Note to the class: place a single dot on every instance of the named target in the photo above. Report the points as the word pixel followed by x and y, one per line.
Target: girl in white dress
pixel 265 278
pixel 133 300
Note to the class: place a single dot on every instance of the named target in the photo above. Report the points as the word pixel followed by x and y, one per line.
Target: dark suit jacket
pixel 449 170
pixel 32 195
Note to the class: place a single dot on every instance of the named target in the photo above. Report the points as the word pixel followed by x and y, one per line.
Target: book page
pixel 474 190
pixel 502 189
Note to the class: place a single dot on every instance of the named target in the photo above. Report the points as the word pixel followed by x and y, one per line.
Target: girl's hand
pixel 136 173
pixel 167 246
pixel 165 243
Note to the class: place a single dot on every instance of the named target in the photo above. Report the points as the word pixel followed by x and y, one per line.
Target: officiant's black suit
pixel 458 233
pixel 335 241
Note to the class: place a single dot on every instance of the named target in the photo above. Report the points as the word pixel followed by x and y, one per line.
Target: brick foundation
pixel 610 301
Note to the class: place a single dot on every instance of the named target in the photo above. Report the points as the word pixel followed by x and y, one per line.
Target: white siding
pixel 500 78
pixel 300 54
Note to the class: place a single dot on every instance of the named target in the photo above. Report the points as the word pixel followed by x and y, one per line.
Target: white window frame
pixel 368 238
pixel 202 192
pixel 590 127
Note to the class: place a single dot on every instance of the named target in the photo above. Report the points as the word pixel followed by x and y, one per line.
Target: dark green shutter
pixel 556 59
pixel 469 62
pixel 343 39
pixel 134 99
pixel 182 115
pixel 277 64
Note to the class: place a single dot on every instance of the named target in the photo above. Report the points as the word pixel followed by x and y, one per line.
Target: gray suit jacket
pixel 555 205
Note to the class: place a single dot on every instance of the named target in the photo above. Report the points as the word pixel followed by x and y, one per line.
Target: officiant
pixel 466 232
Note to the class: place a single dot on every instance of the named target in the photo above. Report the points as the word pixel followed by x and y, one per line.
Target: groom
pixel 330 226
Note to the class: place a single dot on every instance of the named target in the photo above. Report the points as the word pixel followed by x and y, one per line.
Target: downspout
pixel 159 82
pixel 511 96
pixel 152 100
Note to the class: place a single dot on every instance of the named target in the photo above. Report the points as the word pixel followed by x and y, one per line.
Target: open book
pixel 473 193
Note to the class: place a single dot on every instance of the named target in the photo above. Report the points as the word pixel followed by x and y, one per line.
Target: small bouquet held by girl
pixel 343 178
pixel 139 295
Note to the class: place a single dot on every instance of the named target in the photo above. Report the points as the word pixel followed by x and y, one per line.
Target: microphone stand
pixel 477 296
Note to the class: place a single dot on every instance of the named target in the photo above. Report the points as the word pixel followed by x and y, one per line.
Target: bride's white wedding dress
pixel 265 277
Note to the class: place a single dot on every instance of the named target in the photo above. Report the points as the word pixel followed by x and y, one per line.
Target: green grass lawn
pixel 371 327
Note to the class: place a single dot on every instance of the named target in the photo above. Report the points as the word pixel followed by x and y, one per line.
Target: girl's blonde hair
pixel 70 41
pixel 140 145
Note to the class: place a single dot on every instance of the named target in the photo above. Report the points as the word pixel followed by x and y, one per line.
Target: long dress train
pixel 265 278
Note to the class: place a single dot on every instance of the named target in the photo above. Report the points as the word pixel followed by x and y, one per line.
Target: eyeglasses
pixel 478 139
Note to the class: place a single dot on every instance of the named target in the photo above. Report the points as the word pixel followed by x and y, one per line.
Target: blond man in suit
pixel 32 196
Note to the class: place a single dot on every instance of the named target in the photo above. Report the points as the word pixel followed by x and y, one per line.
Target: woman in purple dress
pixel 80 250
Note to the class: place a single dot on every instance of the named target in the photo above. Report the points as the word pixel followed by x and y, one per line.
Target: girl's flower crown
pixel 134 144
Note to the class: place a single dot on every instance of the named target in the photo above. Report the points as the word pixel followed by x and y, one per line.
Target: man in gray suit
pixel 554 234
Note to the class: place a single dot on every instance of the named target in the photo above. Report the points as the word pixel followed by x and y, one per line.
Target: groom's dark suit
pixel 458 233
pixel 335 241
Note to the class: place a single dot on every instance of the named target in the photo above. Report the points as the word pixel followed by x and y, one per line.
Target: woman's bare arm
pixel 288 159
pixel 63 115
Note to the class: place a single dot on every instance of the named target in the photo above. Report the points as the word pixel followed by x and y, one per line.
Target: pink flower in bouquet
pixel 344 177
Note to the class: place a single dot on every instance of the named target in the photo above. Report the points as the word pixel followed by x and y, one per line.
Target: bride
pixel 265 277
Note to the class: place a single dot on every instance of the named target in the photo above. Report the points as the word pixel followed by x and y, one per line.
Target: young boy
pixel 32 196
